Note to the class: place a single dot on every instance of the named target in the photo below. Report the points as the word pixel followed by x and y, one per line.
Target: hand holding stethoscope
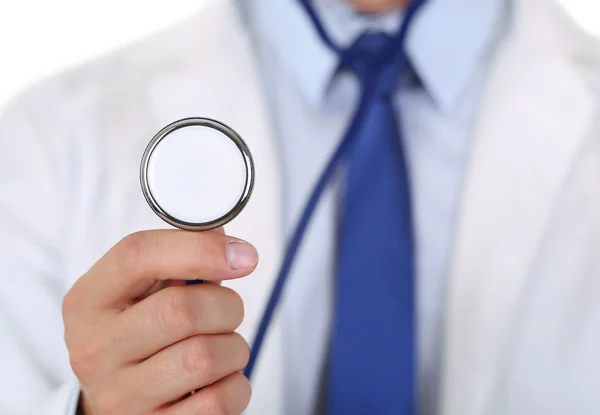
pixel 139 339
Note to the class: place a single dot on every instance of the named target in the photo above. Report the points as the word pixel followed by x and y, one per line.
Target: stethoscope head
pixel 197 174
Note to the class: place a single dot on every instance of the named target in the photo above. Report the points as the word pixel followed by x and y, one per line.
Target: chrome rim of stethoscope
pixel 244 152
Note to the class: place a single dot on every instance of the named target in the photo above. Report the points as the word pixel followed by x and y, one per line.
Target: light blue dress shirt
pixel 449 46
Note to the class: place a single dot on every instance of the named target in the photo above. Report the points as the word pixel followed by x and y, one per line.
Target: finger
pixel 198 281
pixel 220 230
pixel 134 265
pixel 228 396
pixel 189 365
pixel 171 315
pixel 168 283
pixel 162 284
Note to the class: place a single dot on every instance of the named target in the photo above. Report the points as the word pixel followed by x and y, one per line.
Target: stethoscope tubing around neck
pixel 396 43
pixel 368 90
pixel 298 234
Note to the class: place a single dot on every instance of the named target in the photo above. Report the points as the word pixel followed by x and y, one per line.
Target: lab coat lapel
pixel 223 83
pixel 536 111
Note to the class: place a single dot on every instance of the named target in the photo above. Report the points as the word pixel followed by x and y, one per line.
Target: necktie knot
pixel 370 60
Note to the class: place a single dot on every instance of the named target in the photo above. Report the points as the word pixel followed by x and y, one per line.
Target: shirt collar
pixel 447 43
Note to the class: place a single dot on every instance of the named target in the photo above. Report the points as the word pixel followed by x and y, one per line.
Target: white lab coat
pixel 522 325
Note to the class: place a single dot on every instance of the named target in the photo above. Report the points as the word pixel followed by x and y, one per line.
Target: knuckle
pixel 232 399
pixel 236 308
pixel 68 306
pixel 83 360
pixel 197 357
pixel 244 349
pixel 217 402
pixel 201 244
pixel 108 401
pixel 130 250
pixel 245 392
pixel 175 312
pixel 73 302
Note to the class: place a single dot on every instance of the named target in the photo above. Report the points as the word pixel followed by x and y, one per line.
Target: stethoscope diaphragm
pixel 197 174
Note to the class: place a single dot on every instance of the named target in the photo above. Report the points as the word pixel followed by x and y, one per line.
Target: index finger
pixel 138 261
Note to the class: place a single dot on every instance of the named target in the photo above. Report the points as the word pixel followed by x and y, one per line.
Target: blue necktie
pixel 371 368
pixel 372 354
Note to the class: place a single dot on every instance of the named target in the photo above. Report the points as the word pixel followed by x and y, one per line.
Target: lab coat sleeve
pixel 35 375
pixel 63 401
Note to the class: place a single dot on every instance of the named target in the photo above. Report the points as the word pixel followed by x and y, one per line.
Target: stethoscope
pixel 198 174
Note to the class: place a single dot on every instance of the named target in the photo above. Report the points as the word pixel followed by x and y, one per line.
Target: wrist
pixel 83 407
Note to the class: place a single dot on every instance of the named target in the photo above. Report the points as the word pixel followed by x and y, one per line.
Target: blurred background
pixel 40 37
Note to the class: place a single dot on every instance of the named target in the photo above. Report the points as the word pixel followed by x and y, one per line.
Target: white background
pixel 40 37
